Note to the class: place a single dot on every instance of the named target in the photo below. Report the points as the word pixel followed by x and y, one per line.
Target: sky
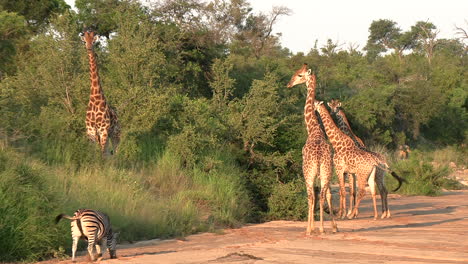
pixel 347 22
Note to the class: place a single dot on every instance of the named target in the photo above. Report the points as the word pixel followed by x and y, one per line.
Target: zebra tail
pixel 399 179
pixel 60 216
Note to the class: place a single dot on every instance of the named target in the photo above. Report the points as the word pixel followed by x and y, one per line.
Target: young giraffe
pixel 101 118
pixel 343 125
pixel 350 159
pixel 316 153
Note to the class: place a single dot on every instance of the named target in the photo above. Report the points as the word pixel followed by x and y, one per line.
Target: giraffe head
pixel 317 104
pixel 334 105
pixel 299 76
pixel 89 38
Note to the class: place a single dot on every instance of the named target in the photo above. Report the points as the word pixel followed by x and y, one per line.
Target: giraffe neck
pixel 338 139
pixel 343 125
pixel 94 74
pixel 309 112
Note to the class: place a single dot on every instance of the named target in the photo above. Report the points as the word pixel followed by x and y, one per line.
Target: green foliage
pixel 288 201
pixel 101 15
pixel 384 34
pixel 374 111
pixel 211 137
pixel 38 13
pixel 26 202
pixel 422 176
pixel 12 33
pixel 195 200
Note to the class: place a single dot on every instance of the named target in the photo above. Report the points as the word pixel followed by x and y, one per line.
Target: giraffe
pixel 403 151
pixel 343 125
pixel 101 118
pixel 352 160
pixel 316 153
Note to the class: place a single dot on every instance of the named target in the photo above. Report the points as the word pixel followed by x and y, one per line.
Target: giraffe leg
pixel 379 179
pixel 91 133
pixel 352 193
pixel 115 142
pixel 371 182
pixel 341 180
pixel 329 201
pixel 325 192
pixel 310 217
pixel 114 130
pixel 362 178
pixel 103 141
pixel 309 174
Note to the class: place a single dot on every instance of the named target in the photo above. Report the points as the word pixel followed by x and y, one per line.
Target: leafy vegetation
pixel 211 137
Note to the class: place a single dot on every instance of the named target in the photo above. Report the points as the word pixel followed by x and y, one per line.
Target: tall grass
pixel 160 200
pixel 424 178
pixel 26 232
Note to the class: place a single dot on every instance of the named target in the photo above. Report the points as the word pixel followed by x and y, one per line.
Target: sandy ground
pixel 421 230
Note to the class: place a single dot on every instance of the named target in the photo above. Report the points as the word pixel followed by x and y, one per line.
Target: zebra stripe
pixel 95 227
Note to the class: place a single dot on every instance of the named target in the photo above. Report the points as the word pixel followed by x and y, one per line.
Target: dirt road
pixel 421 230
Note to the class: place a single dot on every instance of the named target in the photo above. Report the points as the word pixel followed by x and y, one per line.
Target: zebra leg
pixel 98 248
pixel 91 244
pixel 112 245
pixel 75 245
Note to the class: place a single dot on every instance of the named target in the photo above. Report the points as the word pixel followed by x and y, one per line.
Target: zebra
pixel 95 227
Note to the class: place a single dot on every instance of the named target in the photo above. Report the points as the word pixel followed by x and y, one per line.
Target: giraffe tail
pixel 399 179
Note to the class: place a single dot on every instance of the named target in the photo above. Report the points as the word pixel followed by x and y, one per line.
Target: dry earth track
pixel 422 230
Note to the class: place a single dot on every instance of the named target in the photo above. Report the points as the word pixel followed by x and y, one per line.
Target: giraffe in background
pixel 343 125
pixel 101 118
pixel 403 151
pixel 350 159
pixel 316 153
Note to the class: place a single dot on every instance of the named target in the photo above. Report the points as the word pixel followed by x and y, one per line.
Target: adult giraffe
pixel 316 153
pixel 343 125
pixel 101 118
pixel 352 160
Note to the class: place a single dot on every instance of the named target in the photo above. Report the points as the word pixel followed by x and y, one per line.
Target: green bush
pixel 423 178
pixel 26 229
pixel 159 201
pixel 288 201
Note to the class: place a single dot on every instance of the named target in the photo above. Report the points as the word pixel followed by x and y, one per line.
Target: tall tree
pixel 256 34
pixel 37 13
pixel 12 32
pixel 384 34
pixel 100 15
pixel 426 34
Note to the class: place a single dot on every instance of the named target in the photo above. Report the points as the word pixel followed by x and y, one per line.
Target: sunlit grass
pixel 160 200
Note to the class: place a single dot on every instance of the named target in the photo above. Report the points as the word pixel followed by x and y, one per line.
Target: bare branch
pixel 462 31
